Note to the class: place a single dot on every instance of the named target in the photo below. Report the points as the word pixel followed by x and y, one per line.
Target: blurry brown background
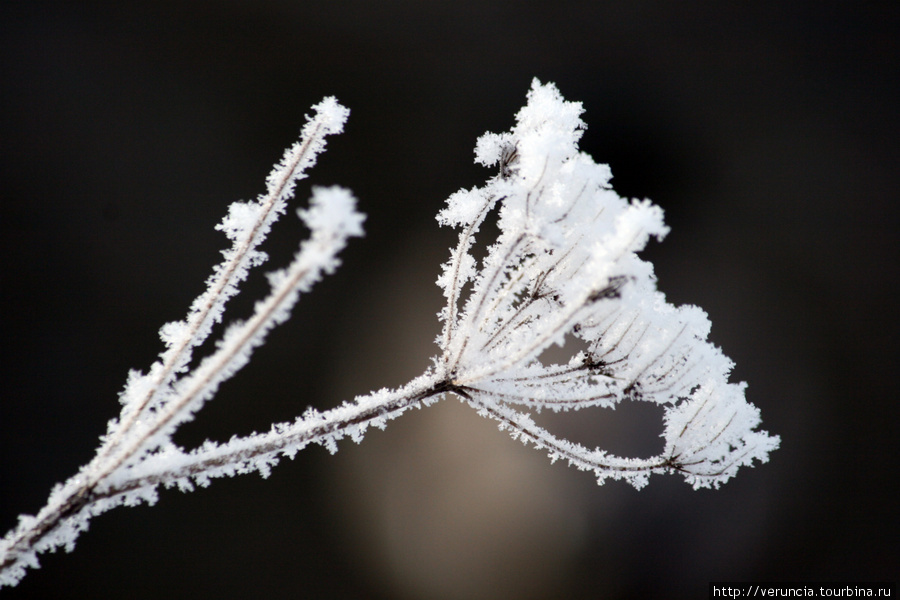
pixel 767 132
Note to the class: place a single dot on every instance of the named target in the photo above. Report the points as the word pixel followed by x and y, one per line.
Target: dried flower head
pixel 565 263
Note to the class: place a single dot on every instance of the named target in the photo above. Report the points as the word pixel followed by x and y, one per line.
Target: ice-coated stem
pixel 564 265
pixel 71 507
pixel 156 403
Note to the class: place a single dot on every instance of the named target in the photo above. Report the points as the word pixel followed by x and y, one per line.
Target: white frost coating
pixel 564 264
pixel 333 219
pixel 155 403
pixel 260 452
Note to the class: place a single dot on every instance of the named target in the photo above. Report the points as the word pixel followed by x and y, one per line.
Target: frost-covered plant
pixel 564 264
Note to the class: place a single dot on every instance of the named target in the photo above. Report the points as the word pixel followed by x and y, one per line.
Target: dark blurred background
pixel 767 132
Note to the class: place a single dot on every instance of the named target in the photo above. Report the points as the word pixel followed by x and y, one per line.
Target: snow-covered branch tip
pixel 563 266
pixel 155 403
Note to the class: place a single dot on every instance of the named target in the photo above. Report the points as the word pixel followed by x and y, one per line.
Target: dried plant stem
pixel 284 439
pixel 156 403
pixel 564 264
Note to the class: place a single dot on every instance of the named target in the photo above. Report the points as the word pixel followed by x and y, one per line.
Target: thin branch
pixel 603 464
pixel 174 467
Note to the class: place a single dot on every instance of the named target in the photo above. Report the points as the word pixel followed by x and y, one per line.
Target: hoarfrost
pixel 564 264
pixel 565 261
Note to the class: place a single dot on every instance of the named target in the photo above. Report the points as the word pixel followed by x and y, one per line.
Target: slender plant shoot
pixel 564 265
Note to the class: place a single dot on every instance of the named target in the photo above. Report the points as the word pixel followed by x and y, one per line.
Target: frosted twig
pixel 564 264
pixel 154 404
